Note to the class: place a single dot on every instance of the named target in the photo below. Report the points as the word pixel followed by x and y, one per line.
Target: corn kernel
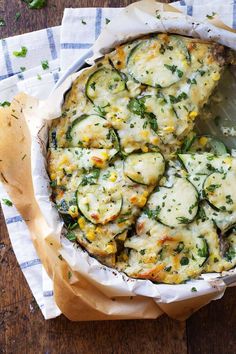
pixel 105 155
pixel 91 236
pixel 169 129
pixel 144 148
pixel 203 140
pixel 193 114
pixel 228 161
pixel 110 249
pixel 216 77
pixel 86 139
pixel 113 177
pixel 81 222
pixel 53 176
pixel 73 211
pixel 155 140
pixel 145 134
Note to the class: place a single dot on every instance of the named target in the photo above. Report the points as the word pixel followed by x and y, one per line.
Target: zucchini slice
pixel 177 205
pixel 155 63
pixel 145 168
pixel 93 131
pixel 206 163
pixel 220 190
pixel 99 204
pixel 102 83
pixel 208 144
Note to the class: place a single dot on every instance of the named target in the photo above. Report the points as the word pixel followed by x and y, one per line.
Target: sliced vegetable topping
pixel 99 204
pixel 164 65
pixel 145 168
pixel 93 131
pixel 102 83
pixel 176 205
pixel 220 190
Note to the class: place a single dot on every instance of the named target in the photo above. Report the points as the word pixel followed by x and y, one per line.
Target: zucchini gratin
pixel 134 184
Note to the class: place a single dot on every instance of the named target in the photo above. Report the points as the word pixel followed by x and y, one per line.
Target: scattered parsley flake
pixel 83 22
pixel 5 104
pixel 36 4
pixel 194 290
pixel 107 20
pixel 22 53
pixel 210 17
pixel 2 22
pixel 45 64
pixel 7 202
pixel 69 275
pixel 17 16
pixel 22 68
pixel 71 236
pixel 39 77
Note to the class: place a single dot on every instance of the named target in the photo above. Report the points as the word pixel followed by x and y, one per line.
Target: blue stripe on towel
pixel 55 76
pixel 52 44
pixel 76 45
pixel 48 293
pixel 234 15
pixel 7 58
pixel 98 22
pixel 30 264
pixel 189 10
pixel 13 219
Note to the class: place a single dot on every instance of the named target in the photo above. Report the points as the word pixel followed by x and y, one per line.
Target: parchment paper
pixel 84 289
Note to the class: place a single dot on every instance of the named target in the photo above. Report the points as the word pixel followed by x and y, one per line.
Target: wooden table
pixel 22 327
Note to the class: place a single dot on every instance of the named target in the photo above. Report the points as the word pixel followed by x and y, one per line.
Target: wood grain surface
pixel 22 327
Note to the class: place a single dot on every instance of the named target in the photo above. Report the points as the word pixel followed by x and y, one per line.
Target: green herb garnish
pixel 36 4
pixel 45 64
pixel 7 202
pixel 22 53
pixel 5 104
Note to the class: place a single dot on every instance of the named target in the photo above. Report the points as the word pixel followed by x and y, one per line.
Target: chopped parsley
pixel 229 200
pixel 182 96
pixel 194 290
pixel 184 261
pixel 7 202
pixel 210 17
pixel 36 4
pixel 91 178
pixel 17 16
pixel 136 106
pixel 107 20
pixel 152 214
pixel 83 22
pixel 192 81
pixel 39 77
pixel 21 53
pixel 179 247
pixel 2 22
pixel 5 104
pixel 182 220
pixel 71 236
pixel 173 69
pixel 212 187
pixel 203 252
pixel 45 64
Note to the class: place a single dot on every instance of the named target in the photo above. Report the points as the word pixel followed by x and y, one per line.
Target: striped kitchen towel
pixel 33 63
